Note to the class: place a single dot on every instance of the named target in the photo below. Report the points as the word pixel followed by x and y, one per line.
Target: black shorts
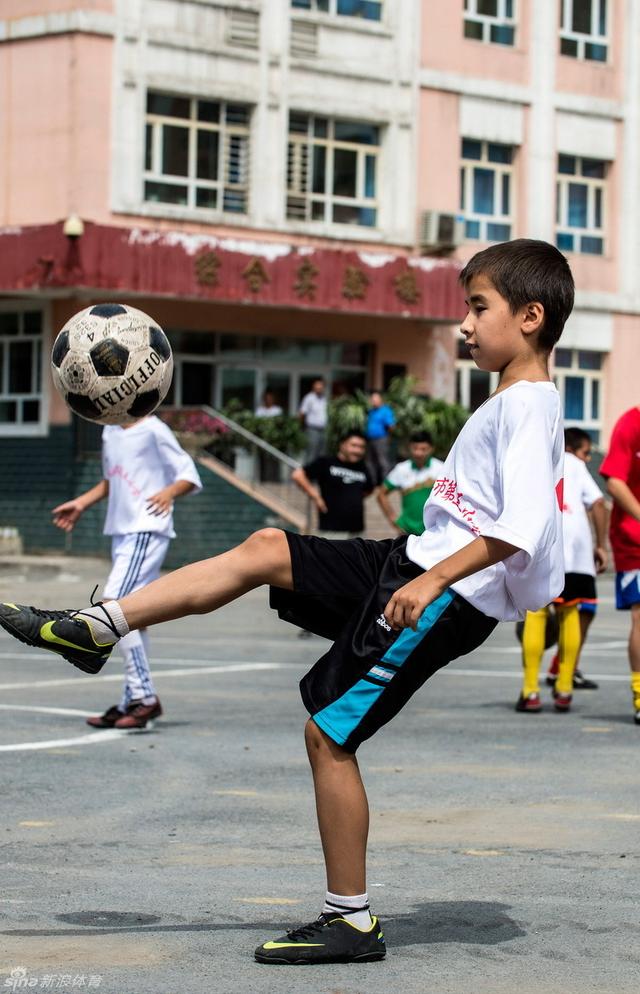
pixel 579 588
pixel 341 589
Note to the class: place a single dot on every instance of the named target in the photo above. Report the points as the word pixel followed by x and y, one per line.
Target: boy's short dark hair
pixel 356 433
pixel 525 270
pixel 421 436
pixel 575 438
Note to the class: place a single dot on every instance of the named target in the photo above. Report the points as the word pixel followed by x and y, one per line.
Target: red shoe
pixel 106 720
pixel 138 715
pixel 530 704
pixel 561 702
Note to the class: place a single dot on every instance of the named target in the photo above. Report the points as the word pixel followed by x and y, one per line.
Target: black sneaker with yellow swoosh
pixel 68 633
pixel 329 939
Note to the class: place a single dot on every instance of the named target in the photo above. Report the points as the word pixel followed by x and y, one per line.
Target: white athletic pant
pixel 136 560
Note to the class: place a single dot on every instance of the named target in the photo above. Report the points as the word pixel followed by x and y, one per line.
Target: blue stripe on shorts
pixel 627 589
pixel 341 718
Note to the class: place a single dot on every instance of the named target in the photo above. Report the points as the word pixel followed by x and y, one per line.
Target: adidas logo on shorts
pixel 382 621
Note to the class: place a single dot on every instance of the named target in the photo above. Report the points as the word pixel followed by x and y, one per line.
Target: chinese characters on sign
pixel 255 275
pixel 448 490
pixel 305 285
pixel 206 266
pixel 355 283
pixel 406 286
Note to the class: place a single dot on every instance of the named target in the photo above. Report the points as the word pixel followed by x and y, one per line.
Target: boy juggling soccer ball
pixel 399 609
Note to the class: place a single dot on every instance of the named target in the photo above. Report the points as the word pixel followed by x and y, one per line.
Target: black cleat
pixel 330 939
pixel 581 682
pixel 67 633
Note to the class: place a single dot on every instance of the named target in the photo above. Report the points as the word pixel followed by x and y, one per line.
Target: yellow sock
pixel 635 686
pixel 535 624
pixel 568 647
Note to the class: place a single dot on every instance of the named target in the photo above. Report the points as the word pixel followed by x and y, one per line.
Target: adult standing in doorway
pixel 313 414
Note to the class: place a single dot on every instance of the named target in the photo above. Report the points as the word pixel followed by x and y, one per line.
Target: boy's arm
pixel 383 500
pixel 162 503
pixel 408 602
pixel 65 515
pixel 301 480
pixel 598 513
pixel 623 496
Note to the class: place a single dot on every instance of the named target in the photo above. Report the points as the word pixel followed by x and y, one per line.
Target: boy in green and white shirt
pixel 414 478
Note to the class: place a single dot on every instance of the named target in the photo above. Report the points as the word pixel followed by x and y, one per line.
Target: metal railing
pixel 247 461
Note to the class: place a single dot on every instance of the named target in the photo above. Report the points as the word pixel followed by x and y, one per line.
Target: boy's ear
pixel 532 317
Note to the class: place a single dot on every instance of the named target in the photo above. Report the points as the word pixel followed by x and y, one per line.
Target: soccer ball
pixel 112 364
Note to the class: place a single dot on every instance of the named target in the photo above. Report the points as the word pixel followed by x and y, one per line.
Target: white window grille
pixel 332 170
pixel 580 205
pixel 584 29
pixel 368 10
pixel 197 153
pixel 578 375
pixel 21 395
pixel 486 181
pixel 490 21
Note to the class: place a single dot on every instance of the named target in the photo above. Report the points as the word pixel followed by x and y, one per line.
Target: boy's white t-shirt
pixel 503 479
pixel 138 462
pixel 580 493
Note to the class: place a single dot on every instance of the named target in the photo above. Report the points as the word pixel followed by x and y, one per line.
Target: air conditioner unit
pixel 440 231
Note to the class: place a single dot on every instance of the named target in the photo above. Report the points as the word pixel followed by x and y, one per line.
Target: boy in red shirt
pixel 621 469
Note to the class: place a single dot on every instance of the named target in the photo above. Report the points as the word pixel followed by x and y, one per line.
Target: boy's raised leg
pixel 86 637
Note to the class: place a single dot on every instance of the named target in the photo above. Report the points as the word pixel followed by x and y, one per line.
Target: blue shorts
pixel 627 589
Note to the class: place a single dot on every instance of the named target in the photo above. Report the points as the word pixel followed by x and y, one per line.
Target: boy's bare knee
pixel 267 540
pixel 319 746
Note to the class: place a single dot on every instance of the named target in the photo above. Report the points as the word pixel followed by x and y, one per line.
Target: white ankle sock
pixel 354 908
pixel 108 623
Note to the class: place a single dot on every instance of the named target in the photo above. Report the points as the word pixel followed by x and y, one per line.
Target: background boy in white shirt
pixel 578 443
pixel 144 470
pixel 581 497
pixel 402 608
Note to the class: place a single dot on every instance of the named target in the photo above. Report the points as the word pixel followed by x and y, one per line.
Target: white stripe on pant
pixel 136 561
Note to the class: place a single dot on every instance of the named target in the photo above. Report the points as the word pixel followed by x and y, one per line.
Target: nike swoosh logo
pixel 49 636
pixel 290 945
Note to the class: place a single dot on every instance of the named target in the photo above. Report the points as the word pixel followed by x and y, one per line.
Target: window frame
pixel 467 167
pixel 593 186
pixel 300 165
pixel 24 429
pixel 582 39
pixel 590 376
pixel 225 130
pixel 471 15
pixel 332 11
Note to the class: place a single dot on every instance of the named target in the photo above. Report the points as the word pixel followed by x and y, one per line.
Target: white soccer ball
pixel 112 364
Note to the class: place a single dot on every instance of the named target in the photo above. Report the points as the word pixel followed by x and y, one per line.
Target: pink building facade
pixel 290 186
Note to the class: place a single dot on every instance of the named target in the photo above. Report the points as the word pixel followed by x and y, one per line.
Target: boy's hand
pixel 601 558
pixel 408 602
pixel 65 515
pixel 161 504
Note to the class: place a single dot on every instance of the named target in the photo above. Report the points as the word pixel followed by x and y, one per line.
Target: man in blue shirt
pixel 380 422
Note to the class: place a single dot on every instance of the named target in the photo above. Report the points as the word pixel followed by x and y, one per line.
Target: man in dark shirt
pixel 341 484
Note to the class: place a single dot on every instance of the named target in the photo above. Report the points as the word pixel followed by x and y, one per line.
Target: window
pixel 580 205
pixel 473 385
pixel 485 190
pixel 490 20
pixel 578 377
pixel 196 153
pixel 583 29
pixel 20 369
pixel 331 170
pixel 369 10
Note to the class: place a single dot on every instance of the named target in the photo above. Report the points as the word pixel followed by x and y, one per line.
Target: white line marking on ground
pixel 92 738
pixel 117 677
pixel 41 710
